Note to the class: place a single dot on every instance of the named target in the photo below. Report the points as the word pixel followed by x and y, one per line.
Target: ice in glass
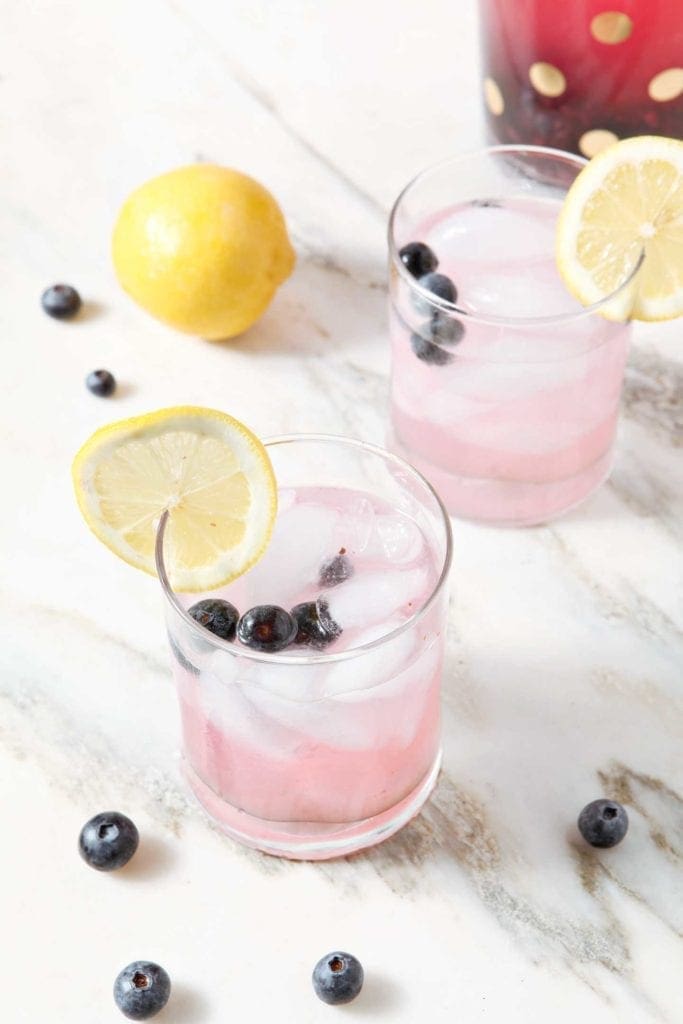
pixel 332 743
pixel 505 391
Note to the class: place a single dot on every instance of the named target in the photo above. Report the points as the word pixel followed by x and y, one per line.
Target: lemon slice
pixel 206 468
pixel 626 204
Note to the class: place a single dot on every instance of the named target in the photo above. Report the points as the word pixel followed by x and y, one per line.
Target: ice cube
pixel 355 526
pixel 373 667
pixel 374 597
pixel 236 701
pixel 302 539
pixel 286 497
pixel 394 538
pixel 494 235
pixel 399 702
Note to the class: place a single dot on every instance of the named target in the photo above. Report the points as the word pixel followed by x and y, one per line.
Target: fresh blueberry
pixel 335 570
pixel 219 617
pixel 61 301
pixel 440 286
pixel 446 329
pixel 141 990
pixel 418 258
pixel 108 841
pixel 267 628
pixel 331 627
pixel 101 383
pixel 425 349
pixel 311 629
pixel 603 823
pixel 337 978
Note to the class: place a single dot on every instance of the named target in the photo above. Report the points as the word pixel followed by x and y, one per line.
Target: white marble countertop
pixel 564 674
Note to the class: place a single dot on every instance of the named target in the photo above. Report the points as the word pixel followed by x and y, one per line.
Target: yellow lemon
pixel 202 248
pixel 624 214
pixel 201 467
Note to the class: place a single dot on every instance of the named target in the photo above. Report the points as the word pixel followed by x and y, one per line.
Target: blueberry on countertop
pixel 311 629
pixel 141 990
pixel 418 258
pixel 335 571
pixel 219 617
pixel 266 627
pixel 108 841
pixel 337 978
pixel 61 301
pixel 101 382
pixel 603 823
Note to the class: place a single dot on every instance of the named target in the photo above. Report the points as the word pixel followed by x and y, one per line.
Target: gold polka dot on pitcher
pixel 611 27
pixel 547 79
pixel 667 85
pixel 493 97
pixel 597 139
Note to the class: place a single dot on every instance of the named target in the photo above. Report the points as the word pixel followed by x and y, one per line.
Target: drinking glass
pixel 306 753
pixel 506 399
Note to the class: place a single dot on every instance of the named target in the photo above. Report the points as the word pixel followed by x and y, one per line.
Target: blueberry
pixel 267 628
pixel 418 258
pixel 141 990
pixel 108 841
pixel 311 629
pixel 446 329
pixel 335 570
pixel 427 351
pixel 101 382
pixel 603 823
pixel 337 978
pixel 219 617
pixel 440 286
pixel 61 301
pixel 331 627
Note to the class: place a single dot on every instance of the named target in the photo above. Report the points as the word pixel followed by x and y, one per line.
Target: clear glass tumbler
pixel 306 753
pixel 505 391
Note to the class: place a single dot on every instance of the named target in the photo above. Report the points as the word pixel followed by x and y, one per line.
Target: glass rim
pixel 451 308
pixel 280 658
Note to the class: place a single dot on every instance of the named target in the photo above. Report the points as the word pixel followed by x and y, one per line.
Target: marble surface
pixel 564 671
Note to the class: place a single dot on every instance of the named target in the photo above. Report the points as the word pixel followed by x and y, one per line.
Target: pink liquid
pixel 519 426
pixel 312 760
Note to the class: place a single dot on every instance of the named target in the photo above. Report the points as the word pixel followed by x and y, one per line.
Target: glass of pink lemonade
pixel 330 743
pixel 505 390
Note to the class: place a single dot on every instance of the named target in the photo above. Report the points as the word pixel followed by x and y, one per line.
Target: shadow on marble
pixel 124 389
pixel 379 998
pixel 299 321
pixel 89 311
pixel 186 1006
pixel 153 858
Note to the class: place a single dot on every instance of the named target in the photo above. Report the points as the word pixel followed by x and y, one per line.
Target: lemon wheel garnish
pixel 626 204
pixel 211 473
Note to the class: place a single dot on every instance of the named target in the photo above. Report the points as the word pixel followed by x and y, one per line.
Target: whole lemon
pixel 203 248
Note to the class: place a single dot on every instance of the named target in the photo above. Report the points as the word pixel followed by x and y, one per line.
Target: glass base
pixel 301 840
pixel 509 502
